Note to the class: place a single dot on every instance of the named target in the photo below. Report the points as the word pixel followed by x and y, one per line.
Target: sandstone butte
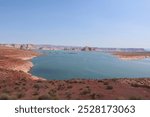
pixel 17 83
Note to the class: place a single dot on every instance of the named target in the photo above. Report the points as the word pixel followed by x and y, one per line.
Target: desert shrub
pixel 17 83
pixel 142 86
pixel 68 95
pixel 6 91
pixel 105 83
pixel 134 85
pixel 109 87
pixel 46 87
pixel 114 80
pixel 36 86
pixel 47 97
pixel 146 86
pixel 39 81
pixel 3 81
pixel 120 98
pixel 4 96
pixel 35 93
pixel 54 97
pixel 81 82
pixel 20 71
pixel 85 91
pixel 60 87
pixel 16 88
pixel 23 79
pixel 20 95
pixel 87 87
pixel 51 82
pixel 69 86
pixel 134 98
pixel 93 96
pixel 96 96
pixel 24 84
pixel 99 81
pixel 52 91
pixel 44 97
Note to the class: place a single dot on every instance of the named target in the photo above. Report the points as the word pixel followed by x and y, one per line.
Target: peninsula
pixel 132 55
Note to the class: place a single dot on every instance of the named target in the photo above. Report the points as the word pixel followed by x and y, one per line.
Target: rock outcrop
pixel 20 46
pixel 87 49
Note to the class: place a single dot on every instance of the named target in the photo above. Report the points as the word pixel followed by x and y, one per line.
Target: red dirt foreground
pixel 18 84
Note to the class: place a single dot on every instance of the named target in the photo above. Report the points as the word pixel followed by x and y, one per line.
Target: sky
pixel 98 23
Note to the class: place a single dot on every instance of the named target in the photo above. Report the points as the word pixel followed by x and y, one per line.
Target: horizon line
pixel 74 45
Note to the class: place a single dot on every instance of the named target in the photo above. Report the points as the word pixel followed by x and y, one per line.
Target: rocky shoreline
pixel 16 59
pixel 132 55
pixel 17 64
pixel 132 58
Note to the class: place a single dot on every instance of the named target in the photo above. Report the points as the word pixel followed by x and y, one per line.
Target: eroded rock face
pixel 87 49
pixel 20 46
pixel 16 59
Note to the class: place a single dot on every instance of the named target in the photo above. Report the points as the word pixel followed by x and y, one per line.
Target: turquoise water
pixel 88 65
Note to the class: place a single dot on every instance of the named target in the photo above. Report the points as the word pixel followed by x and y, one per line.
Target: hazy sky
pixel 103 23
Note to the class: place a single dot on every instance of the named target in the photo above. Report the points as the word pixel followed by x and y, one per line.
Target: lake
pixel 62 65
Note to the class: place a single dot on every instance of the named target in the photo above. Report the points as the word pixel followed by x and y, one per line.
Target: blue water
pixel 88 65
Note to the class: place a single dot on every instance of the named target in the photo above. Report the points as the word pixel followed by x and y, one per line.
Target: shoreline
pixel 118 56
pixel 131 55
pixel 132 58
pixel 29 63
pixel 17 60
pixel 29 67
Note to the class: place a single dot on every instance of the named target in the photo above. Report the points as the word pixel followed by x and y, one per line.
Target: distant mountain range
pixel 74 48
